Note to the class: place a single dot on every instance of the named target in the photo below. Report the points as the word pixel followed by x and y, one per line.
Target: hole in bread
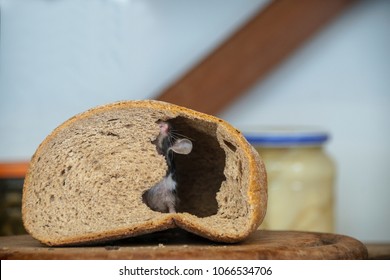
pixel 109 133
pixel 230 146
pixel 199 175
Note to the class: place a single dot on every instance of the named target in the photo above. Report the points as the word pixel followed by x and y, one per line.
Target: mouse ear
pixel 182 146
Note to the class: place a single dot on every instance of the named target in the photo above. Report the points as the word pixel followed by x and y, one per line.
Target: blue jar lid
pixel 286 137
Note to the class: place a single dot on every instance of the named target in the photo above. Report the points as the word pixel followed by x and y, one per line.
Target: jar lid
pixel 286 136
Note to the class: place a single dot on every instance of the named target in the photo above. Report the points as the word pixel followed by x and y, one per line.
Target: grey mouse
pixel 163 197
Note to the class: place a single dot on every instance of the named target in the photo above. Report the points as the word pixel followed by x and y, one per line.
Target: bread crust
pixel 256 190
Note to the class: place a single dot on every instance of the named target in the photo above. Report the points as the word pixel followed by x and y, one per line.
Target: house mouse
pixel 163 197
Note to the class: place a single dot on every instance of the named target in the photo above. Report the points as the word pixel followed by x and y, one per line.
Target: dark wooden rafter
pixel 251 53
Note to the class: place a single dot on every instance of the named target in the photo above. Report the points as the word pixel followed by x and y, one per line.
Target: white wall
pixel 58 58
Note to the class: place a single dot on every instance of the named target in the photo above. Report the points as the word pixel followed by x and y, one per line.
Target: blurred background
pixel 61 57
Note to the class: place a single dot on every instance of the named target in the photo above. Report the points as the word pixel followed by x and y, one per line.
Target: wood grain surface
pixel 178 244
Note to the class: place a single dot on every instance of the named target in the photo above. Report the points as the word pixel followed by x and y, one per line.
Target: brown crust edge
pixel 257 190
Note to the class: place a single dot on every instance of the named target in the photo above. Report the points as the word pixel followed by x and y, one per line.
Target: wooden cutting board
pixel 178 244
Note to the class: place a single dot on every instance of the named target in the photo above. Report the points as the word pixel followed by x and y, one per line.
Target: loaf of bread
pixel 86 180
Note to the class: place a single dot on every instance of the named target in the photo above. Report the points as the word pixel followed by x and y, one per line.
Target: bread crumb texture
pixel 86 179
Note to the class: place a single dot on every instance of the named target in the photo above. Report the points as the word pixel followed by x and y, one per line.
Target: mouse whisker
pixel 171 139
pixel 178 135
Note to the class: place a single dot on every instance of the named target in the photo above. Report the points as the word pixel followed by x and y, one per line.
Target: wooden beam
pixel 251 53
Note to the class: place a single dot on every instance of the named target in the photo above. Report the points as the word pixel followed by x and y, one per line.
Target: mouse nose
pixel 164 127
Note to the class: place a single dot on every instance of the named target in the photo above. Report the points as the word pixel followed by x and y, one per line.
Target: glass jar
pixel 300 179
